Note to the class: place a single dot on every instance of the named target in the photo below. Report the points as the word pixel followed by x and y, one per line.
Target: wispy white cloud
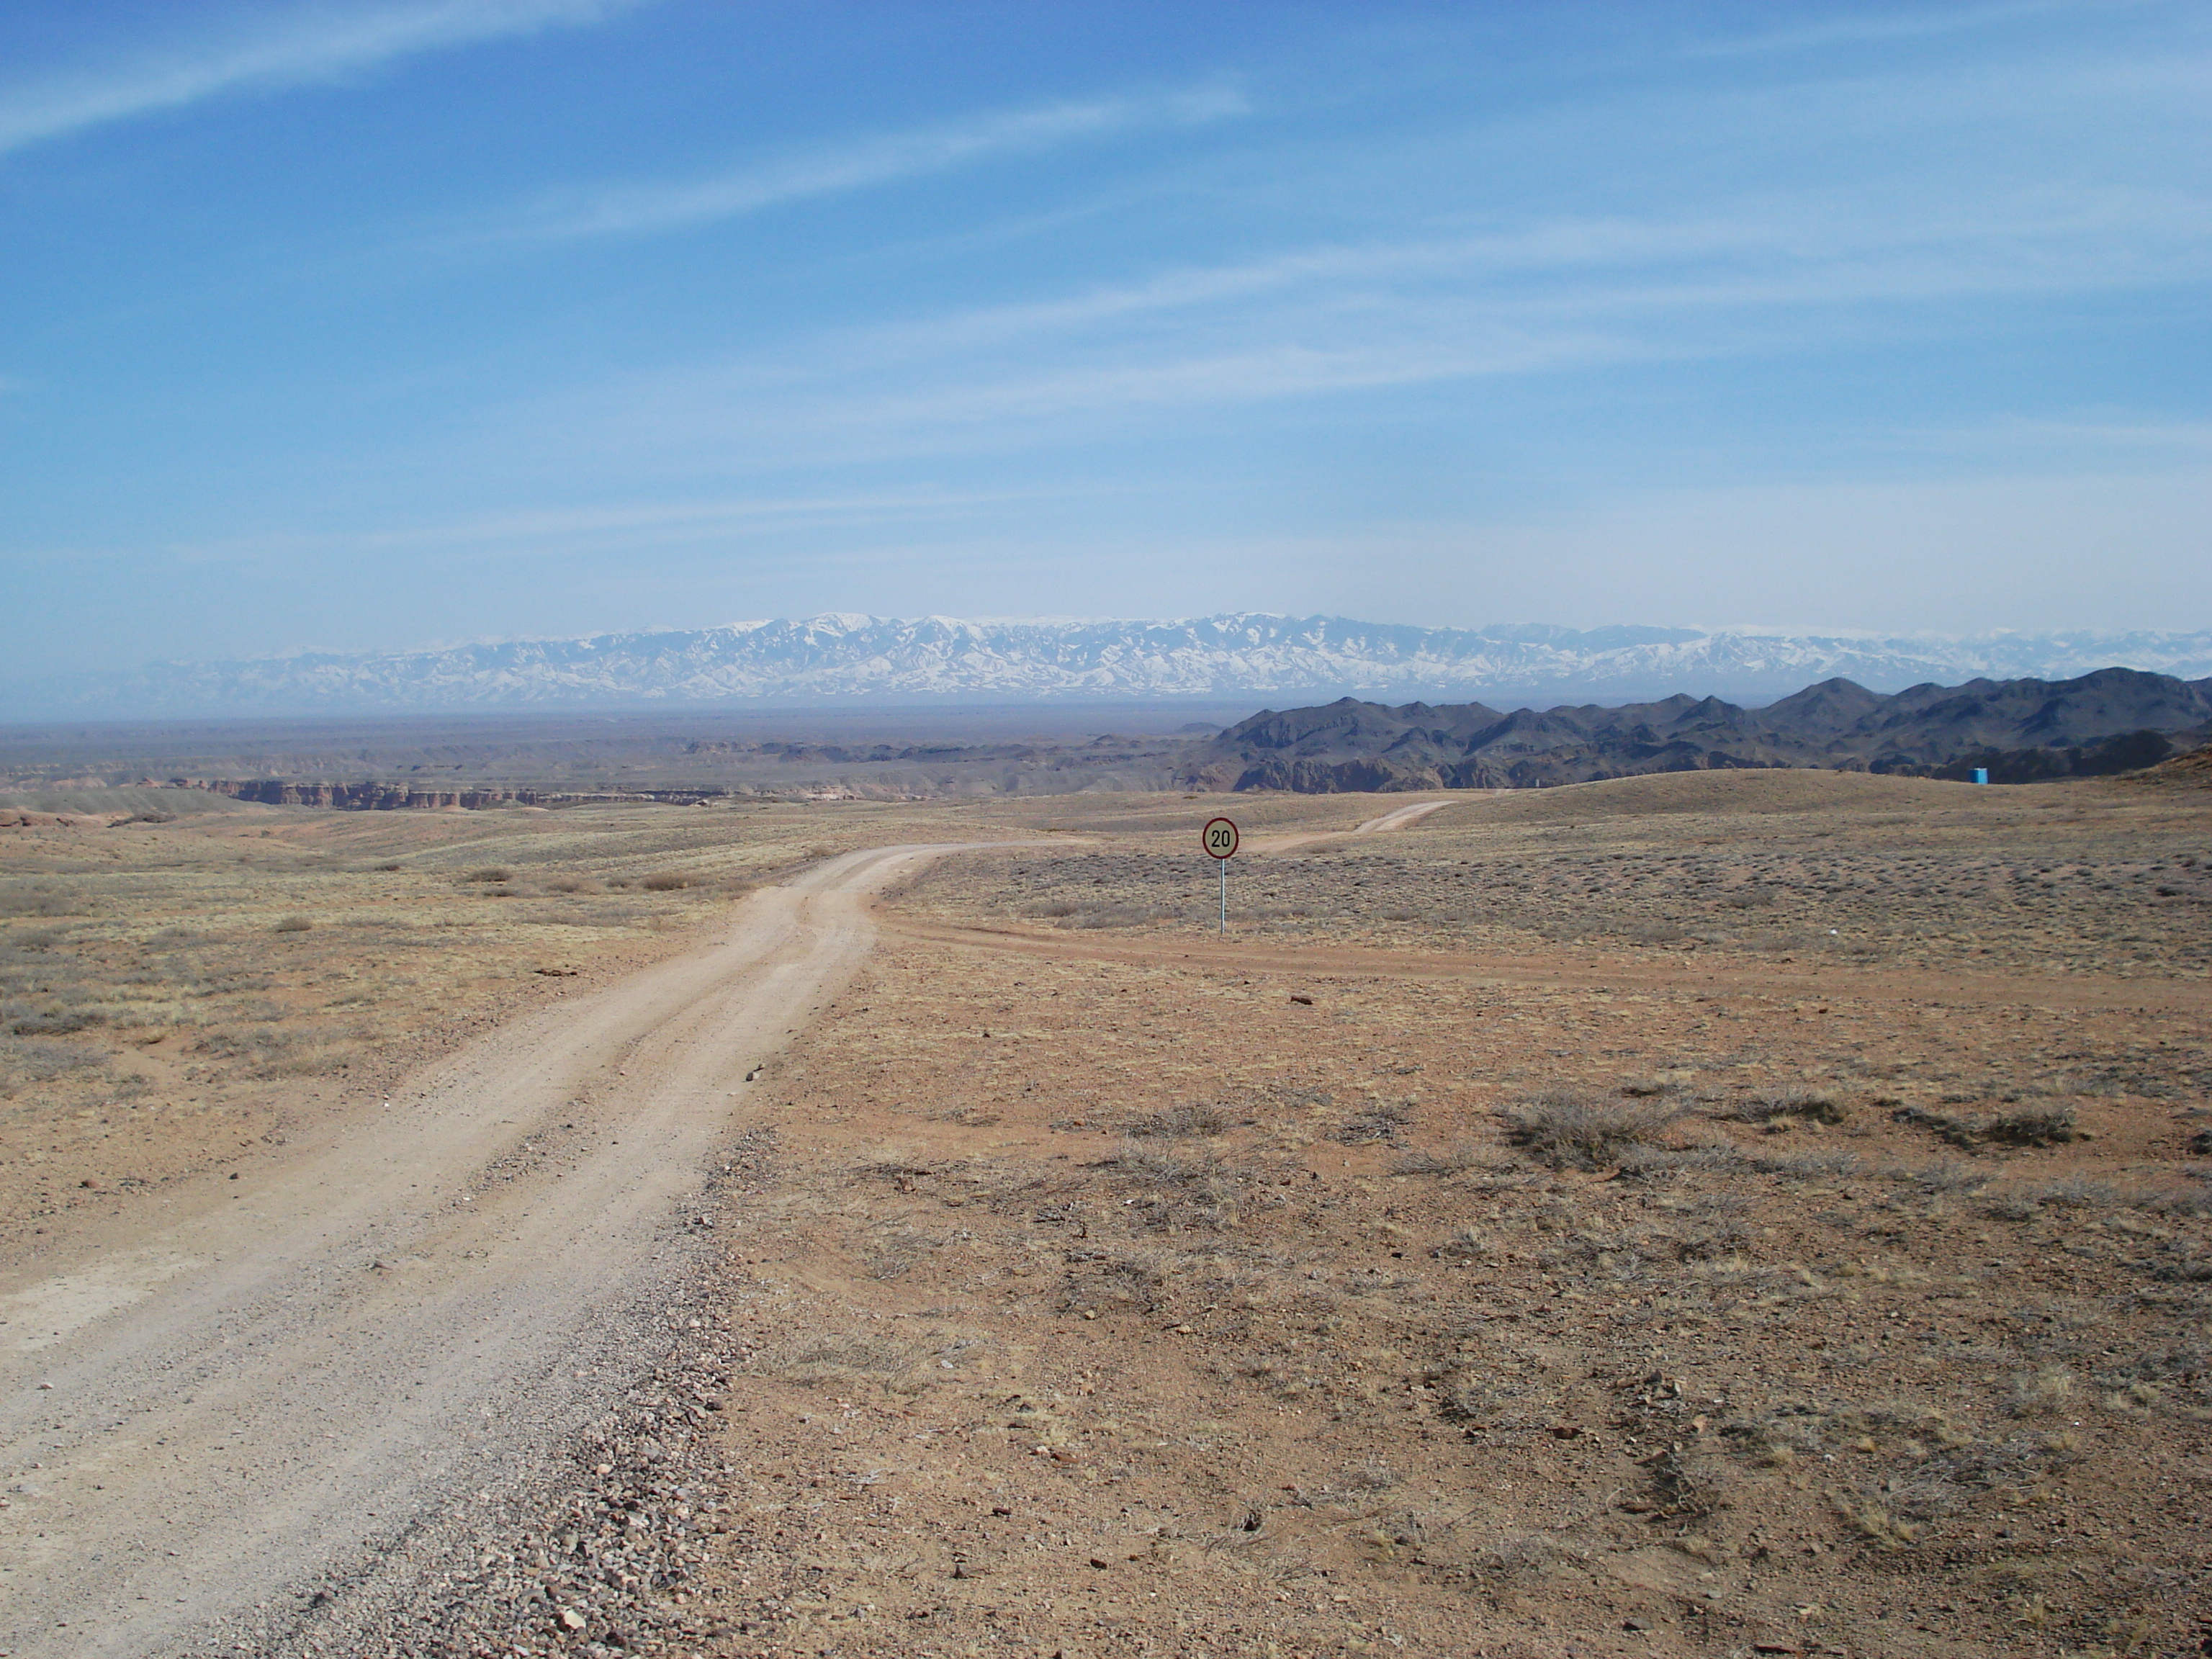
pixel 2106 436
pixel 1825 249
pixel 301 45
pixel 1905 23
pixel 1567 293
pixel 630 209
pixel 600 527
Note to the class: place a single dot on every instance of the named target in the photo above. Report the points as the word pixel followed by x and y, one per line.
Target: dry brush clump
pixel 2027 1126
pixel 2049 1388
pixel 1382 1121
pixel 41 901
pixel 1096 1279
pixel 1790 1106
pixel 33 1061
pixel 846 1357
pixel 1195 1119
pixel 1570 1130
pixel 1177 1189
pixel 1450 1160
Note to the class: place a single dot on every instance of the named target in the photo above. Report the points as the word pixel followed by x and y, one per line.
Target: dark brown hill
pixel 2114 719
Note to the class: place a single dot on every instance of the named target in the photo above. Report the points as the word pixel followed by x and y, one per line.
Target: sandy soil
pixel 1554 1258
pixel 1122 1291
pixel 253 1383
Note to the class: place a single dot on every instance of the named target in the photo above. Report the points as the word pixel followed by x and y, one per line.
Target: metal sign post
pixel 1220 839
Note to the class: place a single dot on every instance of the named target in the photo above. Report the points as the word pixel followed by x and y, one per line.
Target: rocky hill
pixel 1236 655
pixel 2113 720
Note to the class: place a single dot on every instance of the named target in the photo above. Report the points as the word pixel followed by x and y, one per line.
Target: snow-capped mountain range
pixel 1236 656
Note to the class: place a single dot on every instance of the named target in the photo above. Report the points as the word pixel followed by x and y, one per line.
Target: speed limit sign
pixel 1220 839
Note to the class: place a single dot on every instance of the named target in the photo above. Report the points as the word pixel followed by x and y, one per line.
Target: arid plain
pixel 1712 1214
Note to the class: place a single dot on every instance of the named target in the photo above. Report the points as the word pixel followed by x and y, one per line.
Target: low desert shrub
pixel 1805 1166
pixel 491 873
pixel 41 1062
pixel 2027 1125
pixel 1683 1486
pixel 1195 1119
pixel 38 902
pixel 1380 1121
pixel 1565 1129
pixel 1449 1160
pixel 2034 1126
pixel 293 925
pixel 1945 1175
pixel 1804 1105
pixel 838 1356
pixel 54 1022
pixel 2072 1192
pixel 2042 1391
pixel 669 881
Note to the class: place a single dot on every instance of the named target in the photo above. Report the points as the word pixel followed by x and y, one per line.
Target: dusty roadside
pixel 1123 1295
pixel 1069 1291
pixel 218 1408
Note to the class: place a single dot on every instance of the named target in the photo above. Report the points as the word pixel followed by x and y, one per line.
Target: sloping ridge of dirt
pixel 2190 770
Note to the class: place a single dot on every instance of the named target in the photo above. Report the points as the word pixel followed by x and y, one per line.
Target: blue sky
pixel 358 326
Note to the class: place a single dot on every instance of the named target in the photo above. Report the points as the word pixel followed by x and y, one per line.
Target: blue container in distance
pixel 1981 774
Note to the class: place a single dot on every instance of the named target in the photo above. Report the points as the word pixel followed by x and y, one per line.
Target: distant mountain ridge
pixel 2114 719
pixel 844 659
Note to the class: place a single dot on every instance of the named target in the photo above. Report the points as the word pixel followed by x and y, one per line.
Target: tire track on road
pixel 244 1401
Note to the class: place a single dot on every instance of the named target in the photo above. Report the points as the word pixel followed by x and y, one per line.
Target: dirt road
pixel 1398 818
pixel 276 1377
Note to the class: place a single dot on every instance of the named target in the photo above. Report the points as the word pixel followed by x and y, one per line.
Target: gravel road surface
pixel 263 1388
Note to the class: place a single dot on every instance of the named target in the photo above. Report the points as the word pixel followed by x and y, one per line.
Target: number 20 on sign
pixel 1220 839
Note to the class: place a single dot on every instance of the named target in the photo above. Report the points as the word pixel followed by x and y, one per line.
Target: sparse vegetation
pixel 2048 1389
pixel 1567 1129
pixel 1382 1121
pixel 1650 1280
pixel 1192 1119
pixel 848 1358
pixel 1795 1105
pixel 2040 1125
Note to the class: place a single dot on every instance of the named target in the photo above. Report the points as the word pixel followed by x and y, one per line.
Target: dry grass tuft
pixel 1683 1487
pixel 1565 1129
pixel 2042 1392
pixel 1178 1122
pixel 1450 1160
pixel 841 1357
pixel 1799 1105
pixel 2031 1126
pixel 2045 1125
pixel 1379 1121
